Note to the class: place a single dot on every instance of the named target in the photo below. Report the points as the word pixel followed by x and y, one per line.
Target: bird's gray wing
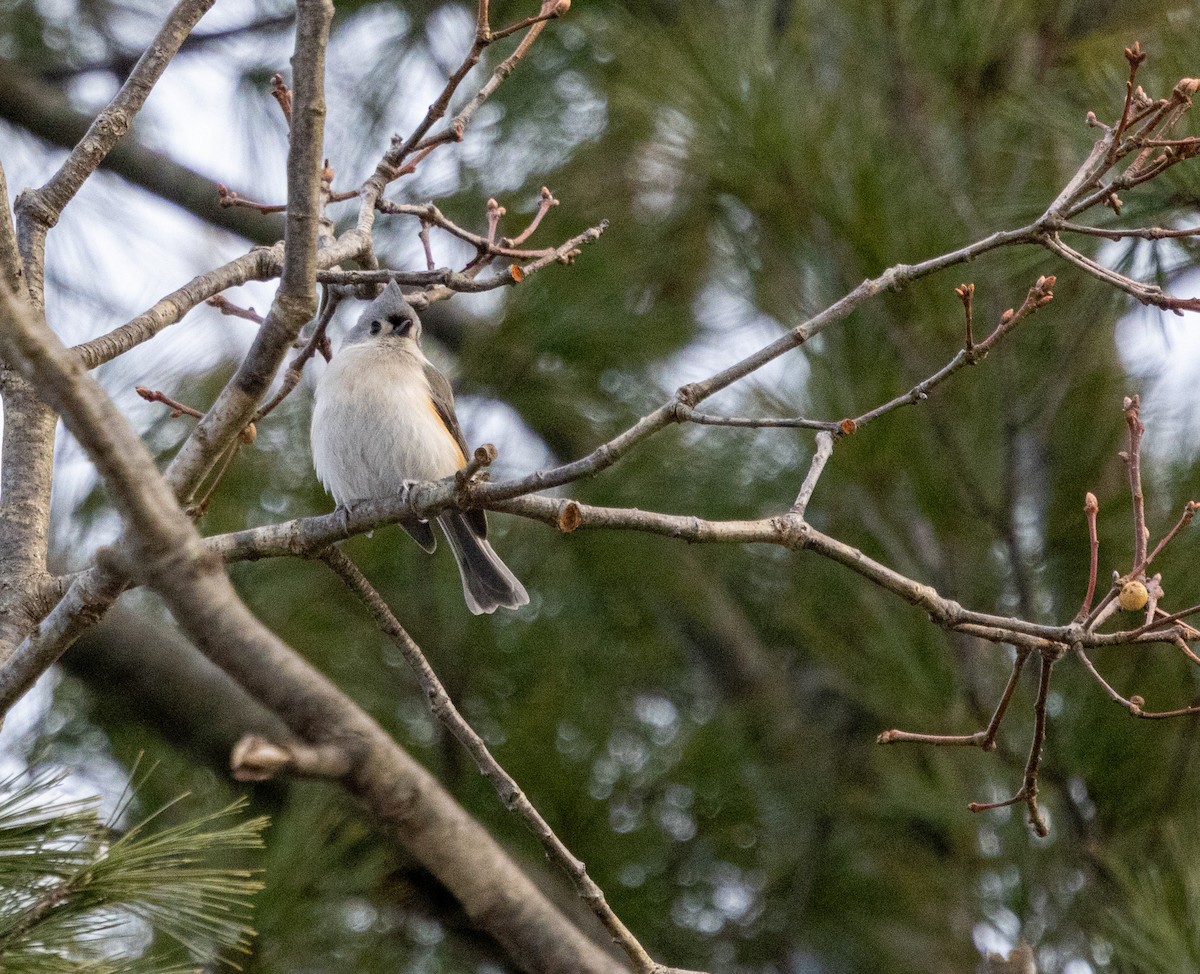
pixel 443 401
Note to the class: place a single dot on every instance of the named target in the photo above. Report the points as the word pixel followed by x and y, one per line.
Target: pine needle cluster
pixel 80 894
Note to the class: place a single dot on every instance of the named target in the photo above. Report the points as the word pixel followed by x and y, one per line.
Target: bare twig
pixel 1029 788
pixel 430 264
pixel 1189 511
pixel 484 456
pixel 1091 508
pixel 200 507
pixel 820 457
pixel 440 284
pixel 984 739
pixel 685 414
pixel 1145 293
pixel 291 378
pixel 1133 459
pixel 511 795
pixel 494 212
pixel 430 214
pixel 1037 298
pixel 1135 57
pixel 231 310
pixel 227 197
pixel 259 264
pixel 177 408
pixel 545 202
pixel 1144 233
pixel 550 10
pixel 282 94
pixel 1187 650
pixel 966 292
pixel 1134 704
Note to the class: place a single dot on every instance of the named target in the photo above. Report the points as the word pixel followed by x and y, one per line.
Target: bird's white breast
pixel 374 425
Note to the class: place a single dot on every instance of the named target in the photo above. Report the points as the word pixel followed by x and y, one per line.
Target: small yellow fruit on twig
pixel 1133 596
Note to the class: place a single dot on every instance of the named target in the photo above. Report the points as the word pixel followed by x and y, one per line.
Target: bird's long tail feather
pixel 487 582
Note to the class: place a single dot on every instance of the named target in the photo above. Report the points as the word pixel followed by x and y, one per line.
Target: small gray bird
pixel 384 415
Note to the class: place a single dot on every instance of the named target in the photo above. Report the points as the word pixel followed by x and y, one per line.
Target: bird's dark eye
pixel 375 326
pixel 400 323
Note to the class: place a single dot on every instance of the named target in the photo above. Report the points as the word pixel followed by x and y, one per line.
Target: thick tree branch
pixel 296 301
pixel 26 462
pixel 11 269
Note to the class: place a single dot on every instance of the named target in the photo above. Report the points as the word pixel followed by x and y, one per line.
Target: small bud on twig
pixel 282 94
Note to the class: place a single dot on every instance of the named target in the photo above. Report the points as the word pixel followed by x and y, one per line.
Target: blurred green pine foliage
pixel 79 893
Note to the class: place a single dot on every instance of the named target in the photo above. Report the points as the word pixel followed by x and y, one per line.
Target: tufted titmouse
pixel 384 415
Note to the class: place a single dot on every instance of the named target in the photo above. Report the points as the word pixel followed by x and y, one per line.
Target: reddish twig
pixel 494 212
pixel 428 213
pixel 177 408
pixel 424 235
pixel 484 36
pixel 966 292
pixel 227 307
pixel 393 163
pixel 1189 511
pixel 1135 57
pixel 1038 297
pixel 1133 459
pixel 1134 704
pixel 227 198
pixel 1091 508
pixel 282 94
pixel 556 9
pixel 248 435
pixel 545 202
pixel 411 166
pixel 295 369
